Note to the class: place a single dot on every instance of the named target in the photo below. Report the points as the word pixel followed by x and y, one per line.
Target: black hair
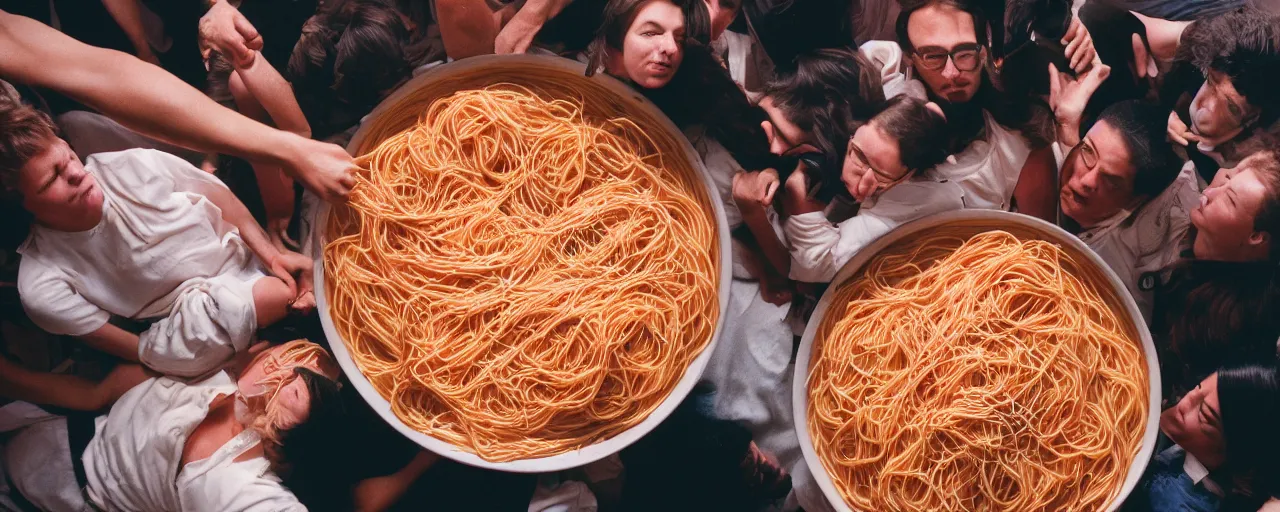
pixel 1214 313
pixel 1249 407
pixel 701 93
pixel 921 133
pixel 830 94
pixel 1244 45
pixel 1112 29
pixel 350 54
pixel 1142 128
pixel 693 461
pixel 1017 111
pixel 305 455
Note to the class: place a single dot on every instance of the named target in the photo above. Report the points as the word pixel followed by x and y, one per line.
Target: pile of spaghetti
pixel 521 280
pixel 995 379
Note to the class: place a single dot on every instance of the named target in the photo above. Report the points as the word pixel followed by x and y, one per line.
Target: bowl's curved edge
pixel 569 459
pixel 799 387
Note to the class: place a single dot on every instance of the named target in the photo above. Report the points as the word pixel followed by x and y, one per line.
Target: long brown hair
pixel 701 93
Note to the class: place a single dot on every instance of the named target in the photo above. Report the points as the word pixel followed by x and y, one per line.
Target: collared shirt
pixel 1200 474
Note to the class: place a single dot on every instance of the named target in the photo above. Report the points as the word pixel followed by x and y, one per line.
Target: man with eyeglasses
pixel 1121 191
pixel 990 132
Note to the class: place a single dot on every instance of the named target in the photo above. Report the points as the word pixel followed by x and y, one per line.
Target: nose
pixel 1089 180
pixel 950 72
pixel 74 174
pixel 669 45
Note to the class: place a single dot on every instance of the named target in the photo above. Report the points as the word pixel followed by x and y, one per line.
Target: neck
pixel 75 225
pixel 1164 36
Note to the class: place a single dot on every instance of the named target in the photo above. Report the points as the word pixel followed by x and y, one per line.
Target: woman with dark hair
pixel 1225 454
pixel 882 157
pixel 1219 306
pixel 219 444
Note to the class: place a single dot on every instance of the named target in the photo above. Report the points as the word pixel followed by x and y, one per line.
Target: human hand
pixel 324 168
pixel 288 264
pixel 224 29
pixel 1080 51
pixel 1068 97
pixel 1179 132
pixel 857 177
pixel 753 192
pixel 796 199
pixel 516 36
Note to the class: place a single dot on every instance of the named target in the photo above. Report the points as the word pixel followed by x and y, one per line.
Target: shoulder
pixel 247 486
pixel 917 198
pixel 35 276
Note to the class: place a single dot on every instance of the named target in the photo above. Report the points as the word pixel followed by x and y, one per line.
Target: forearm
pixel 380 493
pixel 540 11
pixel 141 96
pixel 275 95
pixel 115 341
pixel 128 14
pixel 767 240
pixel 235 213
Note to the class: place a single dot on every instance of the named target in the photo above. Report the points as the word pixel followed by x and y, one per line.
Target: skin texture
pixel 1196 425
pixel 1092 195
pixel 1224 219
pixel 149 100
pixel 943 26
pixel 1219 112
pixel 653 46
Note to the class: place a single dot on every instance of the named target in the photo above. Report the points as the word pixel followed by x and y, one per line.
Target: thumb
pixel 769 191
pixel 1055 84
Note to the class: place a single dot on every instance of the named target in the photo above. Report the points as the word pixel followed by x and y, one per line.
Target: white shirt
pixel 988 169
pixel 157 236
pixel 819 248
pixel 134 460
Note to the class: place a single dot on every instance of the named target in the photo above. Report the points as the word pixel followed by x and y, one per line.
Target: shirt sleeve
pixel 819 249
pixel 149 175
pixel 52 302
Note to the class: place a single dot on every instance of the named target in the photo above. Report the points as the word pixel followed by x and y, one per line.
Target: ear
pixel 936 109
pixel 1258 238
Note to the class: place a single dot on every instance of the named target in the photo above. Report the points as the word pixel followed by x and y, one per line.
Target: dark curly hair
pixel 1244 45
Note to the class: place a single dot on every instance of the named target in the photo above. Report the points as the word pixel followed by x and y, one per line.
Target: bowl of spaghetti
pixel 531 271
pixel 976 360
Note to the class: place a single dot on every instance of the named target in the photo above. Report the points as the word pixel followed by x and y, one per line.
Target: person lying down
pixel 143 235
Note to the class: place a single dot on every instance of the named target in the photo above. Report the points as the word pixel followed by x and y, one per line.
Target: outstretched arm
pixel 151 101
pixel 68 391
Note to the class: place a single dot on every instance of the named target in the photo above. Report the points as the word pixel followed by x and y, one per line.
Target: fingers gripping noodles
pixel 994 379
pixel 519 279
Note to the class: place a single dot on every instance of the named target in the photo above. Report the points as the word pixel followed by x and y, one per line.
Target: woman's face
pixel 1224 220
pixel 291 401
pixel 1195 423
pixel 873 151
pixel 653 45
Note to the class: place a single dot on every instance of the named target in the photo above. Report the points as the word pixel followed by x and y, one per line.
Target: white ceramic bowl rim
pixel 799 387
pixel 575 458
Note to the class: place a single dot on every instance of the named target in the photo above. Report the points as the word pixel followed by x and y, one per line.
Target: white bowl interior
pixel 988 220
pixel 545 65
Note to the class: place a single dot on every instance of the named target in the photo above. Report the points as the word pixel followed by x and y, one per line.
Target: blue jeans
pixel 1170 489
pixel 1179 10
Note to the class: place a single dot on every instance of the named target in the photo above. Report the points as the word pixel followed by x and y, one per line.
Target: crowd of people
pixel 160 163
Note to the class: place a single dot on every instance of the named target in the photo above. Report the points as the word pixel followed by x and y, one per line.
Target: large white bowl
pixel 543 65
pixel 968 223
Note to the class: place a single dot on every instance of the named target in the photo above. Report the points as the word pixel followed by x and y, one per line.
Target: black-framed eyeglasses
pixel 883 179
pixel 966 56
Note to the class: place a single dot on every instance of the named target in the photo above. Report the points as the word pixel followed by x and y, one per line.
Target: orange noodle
pixel 994 379
pixel 521 280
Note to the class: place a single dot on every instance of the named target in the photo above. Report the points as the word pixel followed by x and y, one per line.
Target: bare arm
pixel 128 14
pixel 283 264
pixel 518 34
pixel 68 391
pixel 151 101
pixel 380 493
pixel 1036 193
pixel 115 341
pixel 275 95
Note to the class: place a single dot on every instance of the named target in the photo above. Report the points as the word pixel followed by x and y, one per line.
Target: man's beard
pixel 965 122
